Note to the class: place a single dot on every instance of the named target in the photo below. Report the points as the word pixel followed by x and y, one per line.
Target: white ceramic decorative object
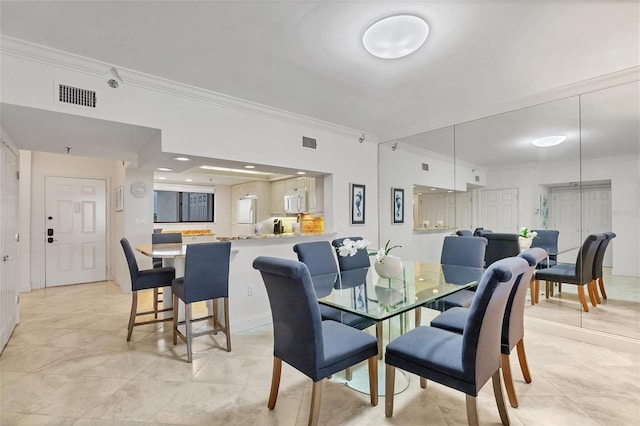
pixel 525 243
pixel 390 267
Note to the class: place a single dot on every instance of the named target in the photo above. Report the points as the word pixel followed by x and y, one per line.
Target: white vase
pixel 525 243
pixel 390 267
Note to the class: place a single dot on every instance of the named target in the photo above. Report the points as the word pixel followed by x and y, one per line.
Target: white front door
pixel 75 230
pixel 9 226
pixel 499 210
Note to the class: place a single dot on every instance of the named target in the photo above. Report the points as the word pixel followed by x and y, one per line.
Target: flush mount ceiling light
pixel 181 158
pixel 164 169
pixel 549 141
pixel 301 173
pixel 395 36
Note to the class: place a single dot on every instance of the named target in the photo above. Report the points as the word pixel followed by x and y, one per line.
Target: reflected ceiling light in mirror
pixel 164 169
pixel 227 169
pixel 188 180
pixel 181 158
pixel 162 178
pixel 301 173
pixel 549 141
pixel 395 36
pixel 249 166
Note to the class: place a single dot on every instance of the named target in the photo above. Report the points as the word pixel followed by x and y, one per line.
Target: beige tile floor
pixel 68 363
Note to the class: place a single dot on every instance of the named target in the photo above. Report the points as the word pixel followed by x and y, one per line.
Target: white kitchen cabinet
pixel 277 197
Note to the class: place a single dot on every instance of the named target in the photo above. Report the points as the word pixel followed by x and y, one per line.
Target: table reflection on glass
pixel 363 292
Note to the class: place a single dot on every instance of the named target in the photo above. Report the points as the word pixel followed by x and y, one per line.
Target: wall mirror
pixel 501 181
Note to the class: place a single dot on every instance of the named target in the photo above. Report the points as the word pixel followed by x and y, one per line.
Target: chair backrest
pixel 166 238
pixel 463 251
pixel 500 246
pixel 513 321
pixel 131 260
pixel 206 271
pixel 464 233
pixel 321 262
pixel 599 259
pixel 586 257
pixel 483 328
pixel 479 231
pixel 546 239
pixel 297 327
pixel 358 261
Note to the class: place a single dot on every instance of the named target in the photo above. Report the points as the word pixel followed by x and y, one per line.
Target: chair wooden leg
pixel 373 380
pixel 547 286
pixel 275 382
pixel 316 396
pixel 522 357
pixel 508 381
pixel 418 316
pixel 155 303
pixel 380 337
pixel 423 383
pixel 583 299
pixel 227 330
pixel 175 319
pixel 472 411
pixel 389 385
pixel 594 290
pixel 601 284
pixel 537 282
pixel 592 297
pixel 187 324
pixel 132 315
pixel 532 292
pixel 497 392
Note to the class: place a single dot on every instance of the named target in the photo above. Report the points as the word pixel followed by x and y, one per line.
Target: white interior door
pixel 9 225
pixel 499 210
pixel 464 212
pixel 75 230
pixel 597 214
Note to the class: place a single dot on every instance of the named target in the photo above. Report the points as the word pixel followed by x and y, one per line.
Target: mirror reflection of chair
pixel 578 274
pixel 303 340
pixel 500 246
pixel 160 238
pixel 464 233
pixel 599 260
pixel 479 231
pixel 321 262
pixel 547 239
pixel 512 325
pixel 144 280
pixel 206 277
pixel 460 251
pixel 466 361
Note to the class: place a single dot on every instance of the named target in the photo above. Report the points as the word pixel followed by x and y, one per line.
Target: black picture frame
pixel 397 205
pixel 357 201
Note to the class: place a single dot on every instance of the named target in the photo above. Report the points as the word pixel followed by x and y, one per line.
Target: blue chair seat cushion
pixel 564 273
pixel 344 346
pixel 451 320
pixel 426 350
pixel 153 278
pixel 543 264
pixel 347 318
pixel 177 287
pixel 462 298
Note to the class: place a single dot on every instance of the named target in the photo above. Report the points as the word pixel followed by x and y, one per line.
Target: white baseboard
pixel 248 323
pixel 610 341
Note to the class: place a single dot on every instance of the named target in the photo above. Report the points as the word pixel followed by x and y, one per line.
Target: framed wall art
pixel 357 204
pixel 397 203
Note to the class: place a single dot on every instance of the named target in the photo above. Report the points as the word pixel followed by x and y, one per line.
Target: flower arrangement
pixel 350 248
pixel 526 233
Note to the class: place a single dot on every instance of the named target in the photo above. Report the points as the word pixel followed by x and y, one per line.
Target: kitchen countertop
pixel 275 236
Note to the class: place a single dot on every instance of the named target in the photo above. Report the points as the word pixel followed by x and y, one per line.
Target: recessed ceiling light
pixel 181 158
pixel 161 178
pixel 188 180
pixel 164 169
pixel 432 189
pixel 449 191
pixel 301 173
pixel 549 141
pixel 395 36
pixel 249 166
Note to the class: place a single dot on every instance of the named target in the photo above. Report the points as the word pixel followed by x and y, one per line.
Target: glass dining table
pixel 364 292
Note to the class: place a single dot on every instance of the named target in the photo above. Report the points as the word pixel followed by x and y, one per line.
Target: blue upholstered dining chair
pixel 466 361
pixel 512 325
pixel 459 251
pixel 160 238
pixel 464 233
pixel 578 274
pixel 321 262
pixel 144 280
pixel 599 260
pixel 303 340
pixel 206 277
pixel 358 261
pixel 547 239
pixel 500 246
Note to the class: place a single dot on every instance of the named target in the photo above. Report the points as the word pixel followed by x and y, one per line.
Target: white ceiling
pixel 307 57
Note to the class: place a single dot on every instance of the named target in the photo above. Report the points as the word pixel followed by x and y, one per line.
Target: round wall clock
pixel 138 189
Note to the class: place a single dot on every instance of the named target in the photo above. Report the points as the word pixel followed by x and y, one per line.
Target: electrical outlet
pixel 250 290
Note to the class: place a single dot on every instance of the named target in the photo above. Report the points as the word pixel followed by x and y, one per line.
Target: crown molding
pixel 605 81
pixel 37 53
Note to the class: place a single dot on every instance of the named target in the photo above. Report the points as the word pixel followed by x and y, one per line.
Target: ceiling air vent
pixel 76 96
pixel 425 167
pixel 308 142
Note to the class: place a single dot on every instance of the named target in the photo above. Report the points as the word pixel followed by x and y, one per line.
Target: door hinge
pixel 18 175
